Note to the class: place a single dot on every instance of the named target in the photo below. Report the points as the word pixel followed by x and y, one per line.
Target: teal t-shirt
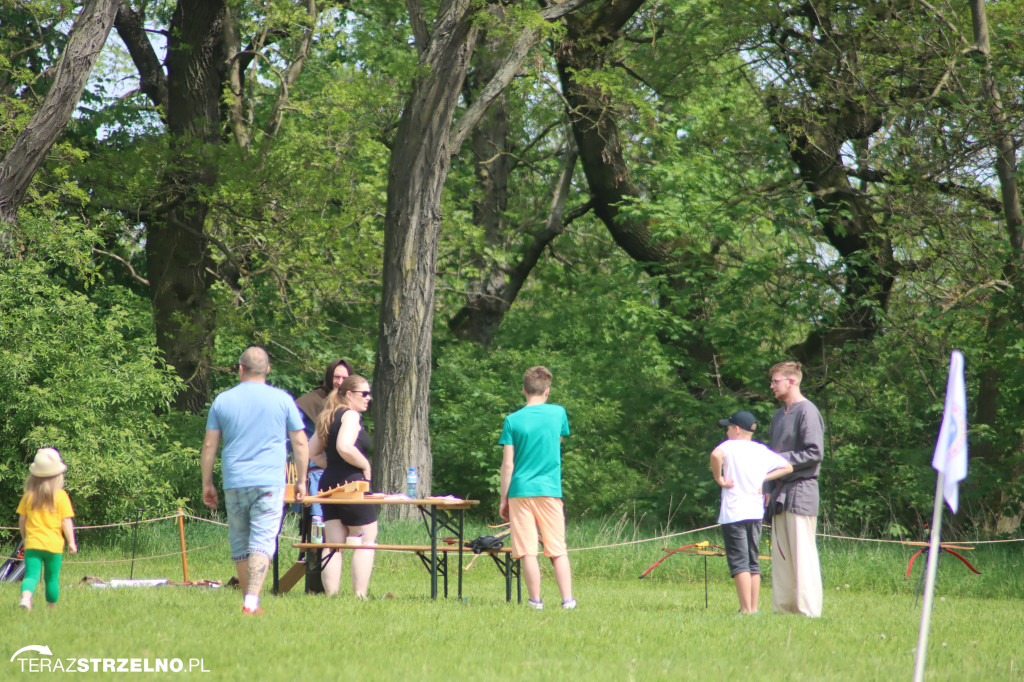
pixel 535 432
pixel 254 420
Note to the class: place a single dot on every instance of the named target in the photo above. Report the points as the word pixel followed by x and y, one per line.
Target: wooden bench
pixel 502 557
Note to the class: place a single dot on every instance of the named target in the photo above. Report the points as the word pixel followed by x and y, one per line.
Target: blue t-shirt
pixel 254 420
pixel 535 432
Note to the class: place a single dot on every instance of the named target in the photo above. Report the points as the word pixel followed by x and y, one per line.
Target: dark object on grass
pixel 486 542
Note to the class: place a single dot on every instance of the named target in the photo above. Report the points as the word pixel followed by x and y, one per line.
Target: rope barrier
pixel 193 517
pixel 637 542
pixel 145 558
pixel 200 518
pixel 142 558
pixel 902 542
pixel 112 525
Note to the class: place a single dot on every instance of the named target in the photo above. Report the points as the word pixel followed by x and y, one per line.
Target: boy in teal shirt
pixel 531 485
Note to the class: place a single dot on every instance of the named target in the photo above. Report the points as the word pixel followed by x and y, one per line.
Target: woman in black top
pixel 342 447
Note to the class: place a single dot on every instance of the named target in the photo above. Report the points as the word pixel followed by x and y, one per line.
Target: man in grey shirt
pixel 798 434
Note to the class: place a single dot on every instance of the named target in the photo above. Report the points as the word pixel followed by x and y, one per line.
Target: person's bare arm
pixel 779 473
pixel 508 465
pixel 717 466
pixel 206 459
pixel 346 443
pixel 68 526
pixel 300 451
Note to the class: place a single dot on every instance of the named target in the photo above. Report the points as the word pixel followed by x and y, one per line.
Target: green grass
pixel 625 628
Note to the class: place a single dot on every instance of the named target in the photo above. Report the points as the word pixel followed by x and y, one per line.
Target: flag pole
pixel 950 461
pixel 929 582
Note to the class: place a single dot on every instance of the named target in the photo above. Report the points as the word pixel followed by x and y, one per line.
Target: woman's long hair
pixel 336 401
pixel 42 491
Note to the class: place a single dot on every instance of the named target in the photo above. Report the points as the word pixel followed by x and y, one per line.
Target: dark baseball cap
pixel 742 419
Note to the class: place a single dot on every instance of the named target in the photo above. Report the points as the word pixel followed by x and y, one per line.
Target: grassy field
pixel 625 629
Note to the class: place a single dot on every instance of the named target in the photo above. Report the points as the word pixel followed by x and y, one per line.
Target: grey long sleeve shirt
pixel 798 435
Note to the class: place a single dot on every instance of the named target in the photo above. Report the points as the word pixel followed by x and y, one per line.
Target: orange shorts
pixel 527 516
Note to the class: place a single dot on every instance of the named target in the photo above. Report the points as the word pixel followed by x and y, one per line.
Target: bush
pixel 79 371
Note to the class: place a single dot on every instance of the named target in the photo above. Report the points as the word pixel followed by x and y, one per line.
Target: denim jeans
pixel 254 519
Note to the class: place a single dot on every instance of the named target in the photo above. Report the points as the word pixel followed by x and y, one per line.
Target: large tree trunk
pixel 177 249
pixel 204 57
pixel 420 161
pixel 419 167
pixel 88 34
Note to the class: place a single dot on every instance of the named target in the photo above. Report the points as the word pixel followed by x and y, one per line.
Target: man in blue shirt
pixel 531 485
pixel 253 418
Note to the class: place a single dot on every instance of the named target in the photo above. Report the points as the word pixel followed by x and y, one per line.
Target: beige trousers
pixel 796 571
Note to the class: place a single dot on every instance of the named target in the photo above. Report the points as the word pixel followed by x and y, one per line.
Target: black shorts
pixel 348 514
pixel 741 540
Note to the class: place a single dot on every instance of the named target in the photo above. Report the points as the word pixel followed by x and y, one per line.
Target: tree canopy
pixel 658 201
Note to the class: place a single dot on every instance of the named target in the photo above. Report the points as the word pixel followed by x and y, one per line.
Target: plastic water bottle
pixel 411 479
pixel 318 529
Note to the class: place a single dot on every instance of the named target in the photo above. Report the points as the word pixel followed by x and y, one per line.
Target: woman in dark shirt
pixel 342 447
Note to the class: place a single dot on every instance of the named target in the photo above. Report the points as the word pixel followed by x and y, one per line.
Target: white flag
pixel 951 449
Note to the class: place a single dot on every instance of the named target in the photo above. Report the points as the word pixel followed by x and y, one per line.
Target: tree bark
pixel 88 34
pixel 177 249
pixel 424 144
pixel 417 172
pixel 488 146
pixel 131 28
pixel 479 318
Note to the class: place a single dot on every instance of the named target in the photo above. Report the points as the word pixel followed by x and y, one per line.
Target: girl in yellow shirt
pixel 43 514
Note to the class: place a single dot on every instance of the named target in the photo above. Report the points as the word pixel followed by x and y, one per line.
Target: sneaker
pixel 252 612
pixel 26 602
pixel 569 605
pixel 539 605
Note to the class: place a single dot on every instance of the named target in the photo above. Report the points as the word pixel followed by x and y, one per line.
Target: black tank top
pixel 340 469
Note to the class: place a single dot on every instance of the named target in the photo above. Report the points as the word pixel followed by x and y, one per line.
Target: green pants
pixel 37 560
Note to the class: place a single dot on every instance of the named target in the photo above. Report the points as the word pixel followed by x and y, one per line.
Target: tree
pixel 426 139
pixel 205 61
pixel 27 154
pixel 1007 310
pixel 594 114
pixel 519 141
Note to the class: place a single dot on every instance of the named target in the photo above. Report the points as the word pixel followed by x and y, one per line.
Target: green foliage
pixel 297 214
pixel 78 371
pixel 624 444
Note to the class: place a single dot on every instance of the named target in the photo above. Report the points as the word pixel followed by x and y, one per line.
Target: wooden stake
pixel 181 532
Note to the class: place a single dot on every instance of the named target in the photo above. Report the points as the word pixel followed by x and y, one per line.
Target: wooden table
pixel 436 512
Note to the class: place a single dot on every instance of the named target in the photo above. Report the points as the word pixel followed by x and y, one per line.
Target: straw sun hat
pixel 47 463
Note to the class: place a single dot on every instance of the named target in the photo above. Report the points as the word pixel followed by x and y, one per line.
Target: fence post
pixel 181 532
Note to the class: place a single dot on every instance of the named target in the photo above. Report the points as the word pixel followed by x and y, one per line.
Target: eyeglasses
pixel 365 394
pixel 778 381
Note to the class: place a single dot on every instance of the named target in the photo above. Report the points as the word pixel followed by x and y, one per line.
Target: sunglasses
pixel 365 394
